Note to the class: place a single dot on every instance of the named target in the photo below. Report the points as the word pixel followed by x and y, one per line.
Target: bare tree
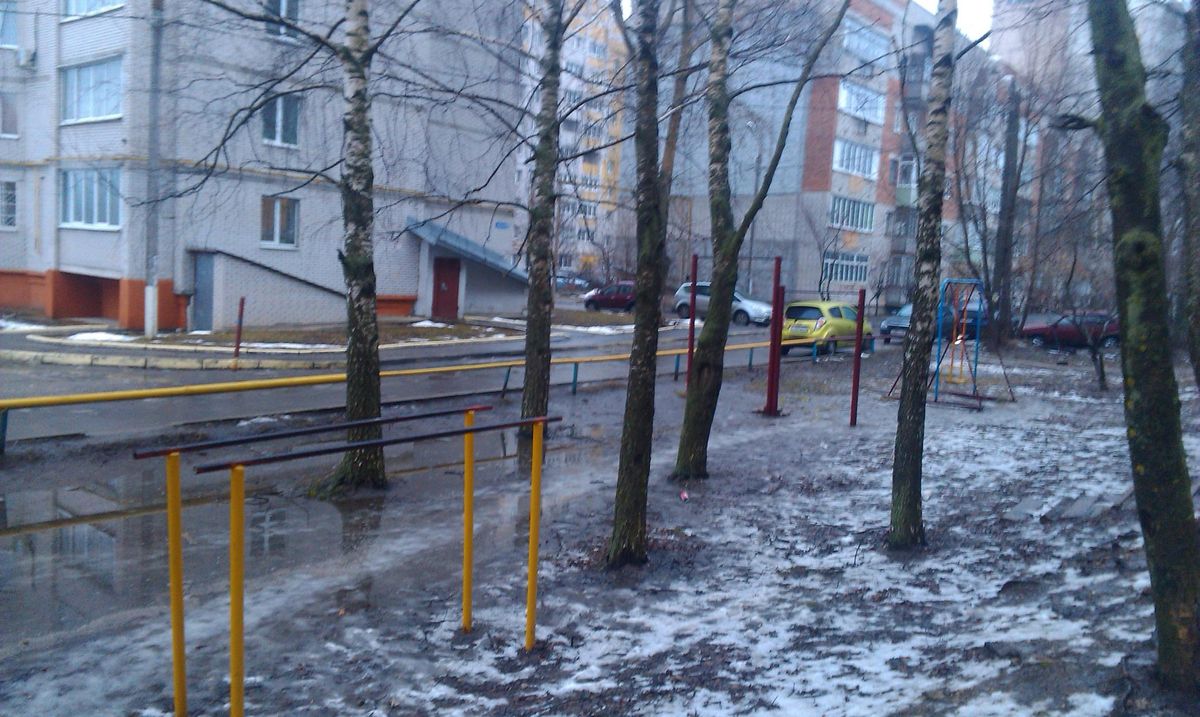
pixel 704 388
pixel 353 54
pixel 907 527
pixel 1134 134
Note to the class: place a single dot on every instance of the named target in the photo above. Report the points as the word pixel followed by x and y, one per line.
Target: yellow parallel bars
pixel 175 571
pixel 535 514
pixel 468 517
pixel 237 538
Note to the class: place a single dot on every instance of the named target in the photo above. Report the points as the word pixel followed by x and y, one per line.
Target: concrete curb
pixel 221 348
pixel 59 358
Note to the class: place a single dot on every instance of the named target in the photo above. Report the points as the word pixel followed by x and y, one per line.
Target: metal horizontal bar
pixel 295 432
pixel 377 443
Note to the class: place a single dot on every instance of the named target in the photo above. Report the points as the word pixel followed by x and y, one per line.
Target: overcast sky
pixel 974 16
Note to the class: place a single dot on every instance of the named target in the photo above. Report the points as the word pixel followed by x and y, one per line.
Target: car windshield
pixel 905 310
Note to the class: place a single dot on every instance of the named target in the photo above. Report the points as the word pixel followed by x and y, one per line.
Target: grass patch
pixel 389 332
pixel 577 317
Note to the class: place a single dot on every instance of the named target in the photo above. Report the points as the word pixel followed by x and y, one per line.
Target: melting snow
pixel 101 336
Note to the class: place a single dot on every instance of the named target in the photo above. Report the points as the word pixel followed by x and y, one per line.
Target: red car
pixel 614 296
pixel 1074 330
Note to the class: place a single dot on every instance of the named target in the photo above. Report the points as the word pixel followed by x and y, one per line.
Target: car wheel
pixel 887 339
pixel 1110 342
pixel 741 318
pixel 1038 341
pixel 591 306
pixel 785 350
pixel 683 311
pixel 831 347
pixel 629 308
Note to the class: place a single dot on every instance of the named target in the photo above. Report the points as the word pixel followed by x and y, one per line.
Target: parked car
pixel 564 282
pixel 745 310
pixel 896 325
pixel 822 320
pixel 617 296
pixel 1074 330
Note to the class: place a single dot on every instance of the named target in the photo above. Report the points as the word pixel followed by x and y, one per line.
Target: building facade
pixel 215 177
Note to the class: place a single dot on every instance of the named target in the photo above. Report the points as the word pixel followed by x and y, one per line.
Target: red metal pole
pixel 858 336
pixel 692 320
pixel 237 338
pixel 774 357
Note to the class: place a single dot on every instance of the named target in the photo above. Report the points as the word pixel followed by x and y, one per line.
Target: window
pixel 846 213
pixel 281 119
pixel 91 198
pixel 92 91
pixel 861 102
pixel 803 313
pixel 8 23
pixel 280 216
pixel 835 312
pixel 844 267
pixel 903 171
pixel 857 159
pixel 914 123
pixel 286 9
pixel 863 41
pixel 8 115
pixel 78 8
pixel 8 204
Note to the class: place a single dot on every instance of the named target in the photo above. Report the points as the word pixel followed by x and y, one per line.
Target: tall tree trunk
pixel 1134 135
pixel 628 542
pixel 907 527
pixel 708 361
pixel 1190 101
pixel 1001 298
pixel 362 467
pixel 535 395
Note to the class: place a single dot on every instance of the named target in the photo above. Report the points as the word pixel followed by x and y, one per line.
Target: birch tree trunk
pixel 364 467
pixel 1190 102
pixel 628 542
pixel 907 527
pixel 1133 135
pixel 535 394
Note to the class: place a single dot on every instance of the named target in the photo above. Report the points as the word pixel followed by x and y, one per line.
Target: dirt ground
pixel 768 589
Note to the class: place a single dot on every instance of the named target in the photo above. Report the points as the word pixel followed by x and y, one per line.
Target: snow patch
pixel 101 336
pixel 427 324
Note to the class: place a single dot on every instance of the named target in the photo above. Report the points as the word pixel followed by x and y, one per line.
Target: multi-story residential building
pixel 219 181
pixel 593 54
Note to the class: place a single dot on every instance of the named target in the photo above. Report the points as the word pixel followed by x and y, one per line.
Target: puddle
pixel 90 559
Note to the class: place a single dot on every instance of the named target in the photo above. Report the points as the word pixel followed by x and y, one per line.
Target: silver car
pixel 745 310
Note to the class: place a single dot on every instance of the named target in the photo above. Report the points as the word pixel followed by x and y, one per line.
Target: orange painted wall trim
pixel 61 295
pixel 395 304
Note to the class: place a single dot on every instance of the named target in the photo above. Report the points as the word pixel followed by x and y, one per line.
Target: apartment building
pixel 219 180
pixel 588 181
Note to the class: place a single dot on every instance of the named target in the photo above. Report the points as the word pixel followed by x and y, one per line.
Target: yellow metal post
pixel 535 514
pixel 237 538
pixel 468 518
pixel 175 572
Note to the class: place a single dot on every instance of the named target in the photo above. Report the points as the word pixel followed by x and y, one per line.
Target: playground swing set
pixel 958 362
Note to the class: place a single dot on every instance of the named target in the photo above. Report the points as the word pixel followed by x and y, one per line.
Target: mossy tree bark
pixel 1134 135
pixel 1189 100
pixel 708 361
pixel 627 545
pixel 535 393
pixel 907 526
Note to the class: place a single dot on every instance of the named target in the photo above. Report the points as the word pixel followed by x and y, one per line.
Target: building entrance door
pixel 202 301
pixel 445 289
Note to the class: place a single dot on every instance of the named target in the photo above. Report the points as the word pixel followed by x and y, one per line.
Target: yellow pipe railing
pixel 535 516
pixel 175 571
pixel 237 554
pixel 468 517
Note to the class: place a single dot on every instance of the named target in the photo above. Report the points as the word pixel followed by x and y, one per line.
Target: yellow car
pixel 829 320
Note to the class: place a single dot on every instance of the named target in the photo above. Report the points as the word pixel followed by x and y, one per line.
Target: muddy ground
pixel 768 589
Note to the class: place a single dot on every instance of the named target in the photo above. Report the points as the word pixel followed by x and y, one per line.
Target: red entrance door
pixel 445 289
